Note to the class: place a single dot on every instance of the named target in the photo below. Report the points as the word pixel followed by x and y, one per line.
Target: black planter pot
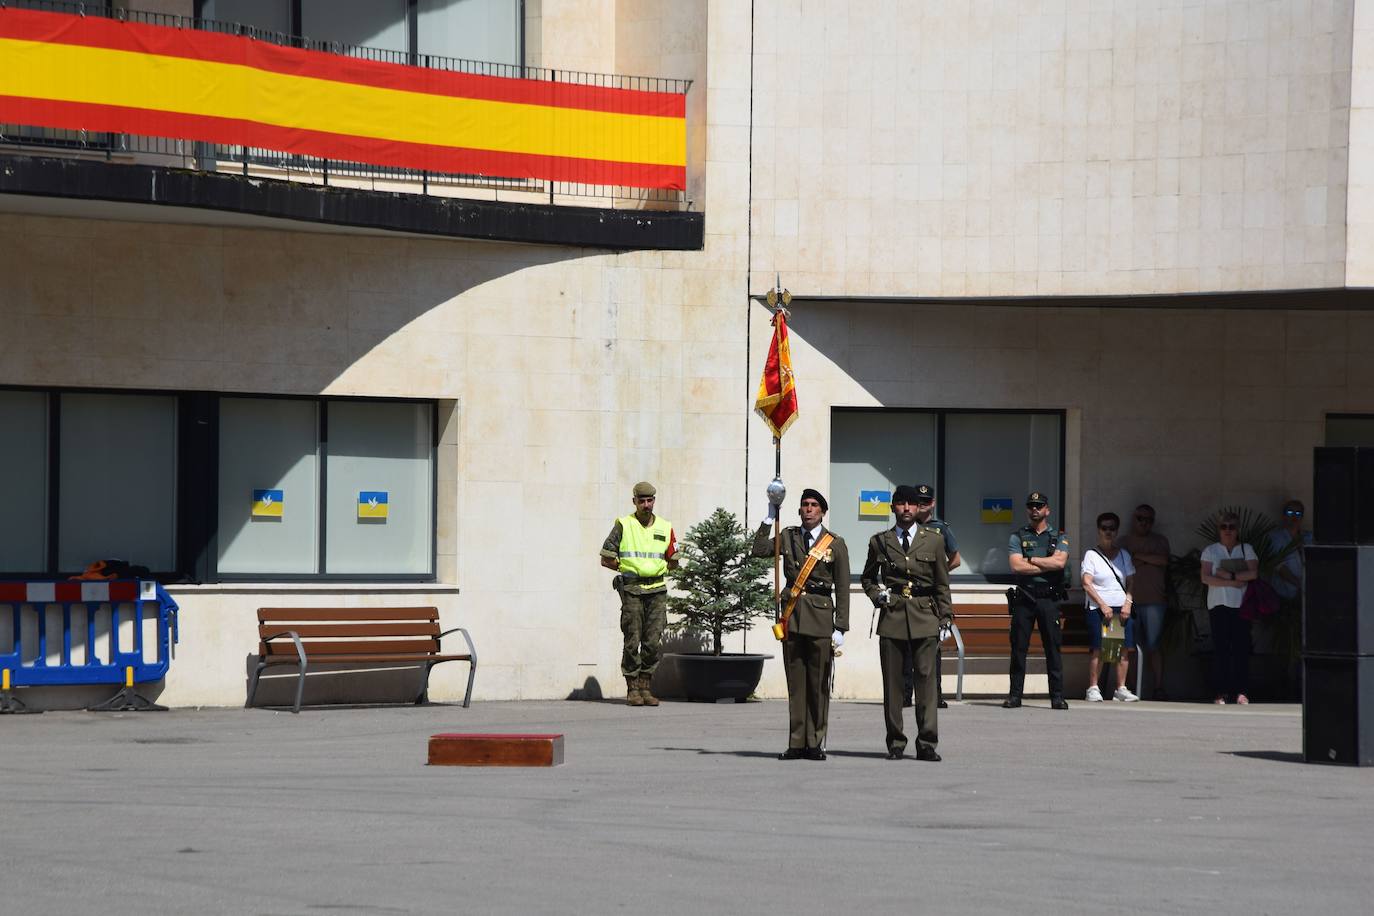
pixel 709 678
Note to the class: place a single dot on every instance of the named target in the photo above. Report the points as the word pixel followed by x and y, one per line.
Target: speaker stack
pixel 1338 611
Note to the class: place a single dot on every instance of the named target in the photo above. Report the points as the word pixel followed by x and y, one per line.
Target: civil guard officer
pixel 815 563
pixel 641 547
pixel 906 576
pixel 1039 557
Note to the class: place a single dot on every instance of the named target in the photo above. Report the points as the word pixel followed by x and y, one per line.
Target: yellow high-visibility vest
pixel 644 551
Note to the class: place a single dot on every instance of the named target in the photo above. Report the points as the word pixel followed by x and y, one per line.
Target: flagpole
pixel 777 534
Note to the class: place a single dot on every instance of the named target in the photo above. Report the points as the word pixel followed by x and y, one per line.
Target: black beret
pixel 809 493
pixel 904 494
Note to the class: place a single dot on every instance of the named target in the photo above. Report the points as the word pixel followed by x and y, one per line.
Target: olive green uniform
pixel 821 609
pixel 643 616
pixel 918 580
pixel 1035 602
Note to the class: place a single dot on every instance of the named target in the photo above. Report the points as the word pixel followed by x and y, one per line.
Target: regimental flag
pixel 372 504
pixel 268 504
pixel 777 400
pixel 996 510
pixel 92 73
pixel 875 503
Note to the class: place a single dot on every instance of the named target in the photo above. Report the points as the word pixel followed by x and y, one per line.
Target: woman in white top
pixel 1107 575
pixel 1226 568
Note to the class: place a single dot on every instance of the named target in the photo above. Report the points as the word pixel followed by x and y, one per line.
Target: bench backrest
pixel 349 631
pixel 986 628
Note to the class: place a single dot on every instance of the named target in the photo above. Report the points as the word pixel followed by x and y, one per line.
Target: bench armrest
pixel 472 650
pixel 300 649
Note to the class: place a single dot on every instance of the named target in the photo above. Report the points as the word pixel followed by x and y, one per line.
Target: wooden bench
pixel 397 636
pixel 984 631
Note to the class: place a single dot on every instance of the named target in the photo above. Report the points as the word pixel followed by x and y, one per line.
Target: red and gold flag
pixel 77 72
pixel 777 400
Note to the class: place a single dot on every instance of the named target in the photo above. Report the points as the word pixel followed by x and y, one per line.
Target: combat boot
pixel 632 695
pixel 648 698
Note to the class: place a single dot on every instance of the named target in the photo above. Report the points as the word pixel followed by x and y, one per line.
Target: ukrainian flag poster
pixel 268 504
pixel 372 504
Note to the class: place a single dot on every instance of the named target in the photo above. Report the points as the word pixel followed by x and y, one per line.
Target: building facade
pixel 1113 251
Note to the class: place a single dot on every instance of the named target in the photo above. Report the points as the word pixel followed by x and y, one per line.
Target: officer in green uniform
pixel 641 547
pixel 818 622
pixel 906 576
pixel 1039 557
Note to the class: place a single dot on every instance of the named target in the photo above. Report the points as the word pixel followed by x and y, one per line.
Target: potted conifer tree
pixel 718 589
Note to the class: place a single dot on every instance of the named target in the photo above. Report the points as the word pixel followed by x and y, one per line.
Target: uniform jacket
pixel 923 565
pixel 814 615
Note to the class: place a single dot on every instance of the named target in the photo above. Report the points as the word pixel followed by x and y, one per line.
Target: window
pixel 24 469
pixel 981 463
pixel 480 30
pixel 213 488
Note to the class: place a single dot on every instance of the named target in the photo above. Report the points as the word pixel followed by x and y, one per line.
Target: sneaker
pixel 1242 700
pixel 1220 701
pixel 1094 694
pixel 1123 695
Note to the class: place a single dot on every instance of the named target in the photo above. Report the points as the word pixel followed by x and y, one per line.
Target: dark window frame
pixel 966 578
pixel 196 531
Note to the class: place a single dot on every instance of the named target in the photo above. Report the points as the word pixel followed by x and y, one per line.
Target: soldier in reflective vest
pixel 641 547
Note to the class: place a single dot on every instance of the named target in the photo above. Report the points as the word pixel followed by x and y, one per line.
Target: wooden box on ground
pixel 459 750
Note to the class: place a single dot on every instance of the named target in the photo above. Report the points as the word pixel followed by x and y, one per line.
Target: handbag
pixel 1259 600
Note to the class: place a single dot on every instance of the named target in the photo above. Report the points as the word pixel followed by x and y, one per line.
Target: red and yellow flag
pixel 91 73
pixel 777 400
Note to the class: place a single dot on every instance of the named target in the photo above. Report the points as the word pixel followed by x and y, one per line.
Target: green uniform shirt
pixel 1047 543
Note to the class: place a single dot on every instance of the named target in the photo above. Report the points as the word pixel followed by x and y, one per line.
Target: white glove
pixel 884 596
pixel 946 631
pixel 837 638
pixel 771 515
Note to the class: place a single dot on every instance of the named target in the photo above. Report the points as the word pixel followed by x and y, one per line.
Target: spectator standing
pixel 1226 567
pixel 1149 552
pixel 1287 578
pixel 1107 579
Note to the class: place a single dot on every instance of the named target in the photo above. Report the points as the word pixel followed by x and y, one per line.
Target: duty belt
pixel 818 588
pixel 915 591
pixel 1042 591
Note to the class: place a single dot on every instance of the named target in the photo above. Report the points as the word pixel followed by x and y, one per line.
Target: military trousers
pixel 924 651
pixel 642 619
pixel 1027 613
pixel 807 661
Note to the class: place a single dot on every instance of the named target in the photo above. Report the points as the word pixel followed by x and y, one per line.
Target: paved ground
pixel 1152 808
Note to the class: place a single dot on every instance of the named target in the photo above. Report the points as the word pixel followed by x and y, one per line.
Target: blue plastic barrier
pixel 39 662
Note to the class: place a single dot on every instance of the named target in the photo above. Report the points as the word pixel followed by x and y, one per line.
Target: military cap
pixel 644 488
pixel 809 493
pixel 904 494
pixel 925 493
pixel 1037 499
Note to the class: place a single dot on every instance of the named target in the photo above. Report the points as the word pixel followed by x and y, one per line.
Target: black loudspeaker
pixel 1338 710
pixel 1343 495
pixel 1338 601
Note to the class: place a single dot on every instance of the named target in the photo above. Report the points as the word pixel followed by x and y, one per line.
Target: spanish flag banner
pixel 91 73
pixel 777 399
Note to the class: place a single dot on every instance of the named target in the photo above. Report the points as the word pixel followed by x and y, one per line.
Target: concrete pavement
pixel 1153 808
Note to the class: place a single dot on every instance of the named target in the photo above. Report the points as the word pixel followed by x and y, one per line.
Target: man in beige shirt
pixel 1149 551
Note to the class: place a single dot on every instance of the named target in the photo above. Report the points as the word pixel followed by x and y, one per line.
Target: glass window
pixel 471 29
pixel 117 480
pixel 368 23
pixel 379 485
pixel 1349 429
pixel 269 15
pixel 871 451
pixel 24 469
pixel 268 486
pixel 991 458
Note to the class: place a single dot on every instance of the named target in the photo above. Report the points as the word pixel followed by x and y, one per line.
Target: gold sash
pixel 813 556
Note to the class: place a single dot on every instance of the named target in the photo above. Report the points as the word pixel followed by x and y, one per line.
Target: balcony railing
pixel 264 161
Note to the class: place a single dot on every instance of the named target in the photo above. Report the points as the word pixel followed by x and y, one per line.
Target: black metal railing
pixel 261 162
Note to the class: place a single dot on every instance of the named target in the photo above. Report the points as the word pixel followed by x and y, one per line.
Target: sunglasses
pixel 1148 519
pixel 1226 527
pixel 1295 513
